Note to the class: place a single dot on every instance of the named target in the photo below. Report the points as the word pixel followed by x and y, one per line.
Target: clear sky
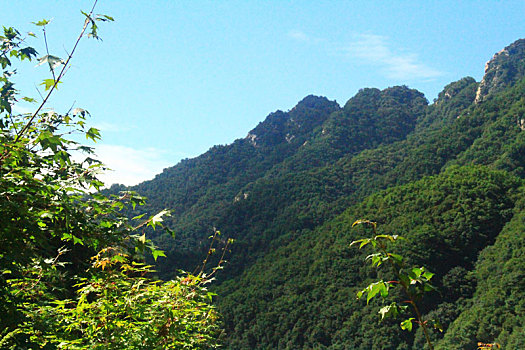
pixel 173 78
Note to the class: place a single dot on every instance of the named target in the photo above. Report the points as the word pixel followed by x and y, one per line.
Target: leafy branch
pixel 414 282
pixel 54 62
pixel 95 292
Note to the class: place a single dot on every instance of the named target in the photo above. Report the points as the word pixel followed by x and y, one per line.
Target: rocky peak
pixel 455 88
pixel 505 68
pixel 316 102
pixel 284 127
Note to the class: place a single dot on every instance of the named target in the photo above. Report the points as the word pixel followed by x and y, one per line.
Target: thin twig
pixel 221 260
pixel 26 127
pixel 47 51
pixel 13 122
pixel 61 251
pixel 215 233
pixel 71 108
pixel 36 88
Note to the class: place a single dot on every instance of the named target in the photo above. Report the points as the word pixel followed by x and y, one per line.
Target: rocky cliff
pixel 505 68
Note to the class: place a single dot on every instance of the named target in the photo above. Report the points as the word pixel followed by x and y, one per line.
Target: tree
pixel 414 282
pixel 71 264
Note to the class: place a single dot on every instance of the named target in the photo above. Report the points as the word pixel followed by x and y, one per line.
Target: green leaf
pixel 42 22
pixel 396 257
pixel 138 216
pixel 93 134
pixel 88 17
pixel 405 280
pixel 76 240
pixel 428 287
pixel 384 311
pixel 428 275
pixel 372 256
pixel 49 83
pixel 377 260
pixel 79 111
pixel 49 140
pixel 156 253
pixel 437 325
pixel 358 241
pixel 407 324
pixel 104 18
pixel 29 99
pixel 376 288
pixel 94 31
pixel 391 238
pixel 4 61
pixel 53 61
pixel 416 272
pixel 365 222
pixel 371 293
pixel 27 52
pixel 46 215
pixel 384 290
pixel 172 233
pixel 119 258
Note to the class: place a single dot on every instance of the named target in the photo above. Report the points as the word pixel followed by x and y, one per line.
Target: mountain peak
pixel 506 67
pixel 280 127
pixel 316 102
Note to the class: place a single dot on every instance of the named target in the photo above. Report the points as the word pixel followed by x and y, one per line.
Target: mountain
pixel 448 176
pixel 252 189
pixel 504 69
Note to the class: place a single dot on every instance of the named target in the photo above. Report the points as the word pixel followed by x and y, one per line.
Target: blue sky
pixel 173 78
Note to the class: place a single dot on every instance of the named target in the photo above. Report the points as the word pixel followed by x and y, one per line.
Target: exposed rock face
pixel 252 138
pixel 505 68
pixel 521 123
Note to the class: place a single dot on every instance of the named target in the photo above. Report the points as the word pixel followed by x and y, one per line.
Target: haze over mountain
pixel 447 175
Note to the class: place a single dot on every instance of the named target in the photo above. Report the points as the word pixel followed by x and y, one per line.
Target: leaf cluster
pixel 72 271
pixel 413 281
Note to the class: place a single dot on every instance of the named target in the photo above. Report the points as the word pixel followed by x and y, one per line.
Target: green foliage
pixel 302 294
pixel 281 266
pixel 71 270
pixel 119 307
pixel 496 311
pixel 292 187
pixel 413 281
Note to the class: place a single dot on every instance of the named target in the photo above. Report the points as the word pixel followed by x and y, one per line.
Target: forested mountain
pixel 447 175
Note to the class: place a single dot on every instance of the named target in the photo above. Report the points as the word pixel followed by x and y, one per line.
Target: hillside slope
pixel 302 295
pixel 268 176
pixel 447 175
